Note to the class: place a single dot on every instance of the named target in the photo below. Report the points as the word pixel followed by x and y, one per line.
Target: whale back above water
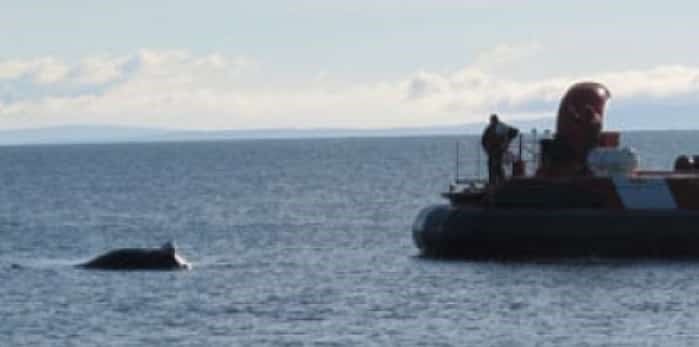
pixel 163 258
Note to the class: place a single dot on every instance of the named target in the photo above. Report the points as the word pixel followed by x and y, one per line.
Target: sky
pixel 209 65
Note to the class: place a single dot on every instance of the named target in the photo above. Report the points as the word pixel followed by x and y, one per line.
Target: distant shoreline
pixel 97 135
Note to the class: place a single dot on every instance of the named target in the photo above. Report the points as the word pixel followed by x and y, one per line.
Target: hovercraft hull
pixel 483 232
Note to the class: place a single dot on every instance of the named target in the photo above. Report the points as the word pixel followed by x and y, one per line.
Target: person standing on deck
pixel 495 140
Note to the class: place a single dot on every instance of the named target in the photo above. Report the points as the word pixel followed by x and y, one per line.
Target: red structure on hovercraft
pixel 587 196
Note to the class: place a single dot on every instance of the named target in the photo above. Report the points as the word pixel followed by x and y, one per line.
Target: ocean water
pixel 299 243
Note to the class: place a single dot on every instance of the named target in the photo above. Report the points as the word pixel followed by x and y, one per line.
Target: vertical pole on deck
pixel 520 146
pixel 456 180
pixel 537 161
pixel 537 157
pixel 478 160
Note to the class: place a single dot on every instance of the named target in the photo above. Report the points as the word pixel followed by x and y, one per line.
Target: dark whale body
pixel 163 258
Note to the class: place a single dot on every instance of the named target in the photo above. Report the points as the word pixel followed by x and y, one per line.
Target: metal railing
pixel 471 160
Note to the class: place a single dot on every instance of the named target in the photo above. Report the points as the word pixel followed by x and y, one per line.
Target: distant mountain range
pixel 118 134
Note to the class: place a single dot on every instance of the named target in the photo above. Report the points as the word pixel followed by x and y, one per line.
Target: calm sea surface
pixel 299 243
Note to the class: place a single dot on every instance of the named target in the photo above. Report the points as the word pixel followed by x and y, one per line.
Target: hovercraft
pixel 584 195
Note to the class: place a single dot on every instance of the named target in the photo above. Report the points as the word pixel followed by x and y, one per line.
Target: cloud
pixel 658 82
pixel 474 89
pixel 41 71
pixel 179 89
pixel 102 70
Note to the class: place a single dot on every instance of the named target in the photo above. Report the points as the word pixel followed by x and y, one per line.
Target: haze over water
pixel 299 243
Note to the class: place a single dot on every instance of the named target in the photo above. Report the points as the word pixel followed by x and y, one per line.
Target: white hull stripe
pixel 645 193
